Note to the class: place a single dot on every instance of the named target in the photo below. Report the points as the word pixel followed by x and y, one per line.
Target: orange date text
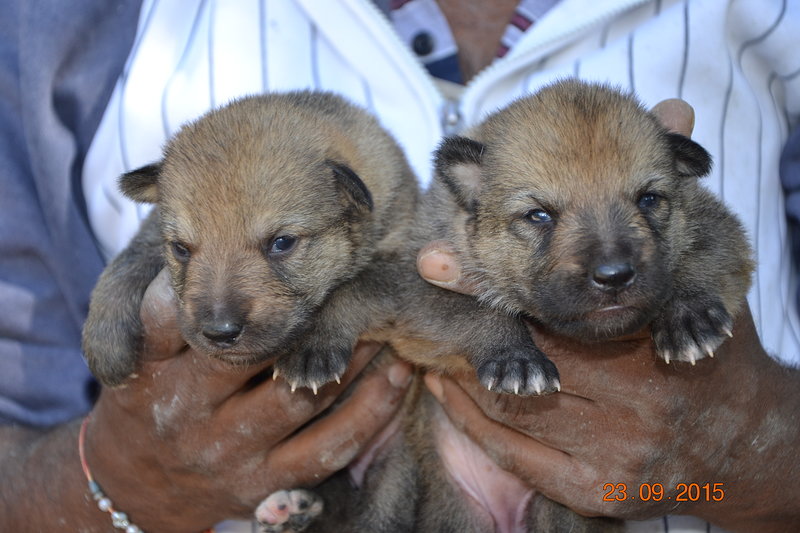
pixel 655 492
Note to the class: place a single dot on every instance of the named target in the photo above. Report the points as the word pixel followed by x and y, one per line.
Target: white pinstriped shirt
pixel 736 62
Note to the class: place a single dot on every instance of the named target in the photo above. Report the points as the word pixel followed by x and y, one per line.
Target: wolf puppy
pixel 583 213
pixel 269 214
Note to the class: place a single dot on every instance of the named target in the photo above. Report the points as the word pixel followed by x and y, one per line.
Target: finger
pixel 334 441
pixel 173 375
pixel 631 364
pixel 513 451
pixel 550 470
pixel 438 264
pixel 193 386
pixel 162 338
pixel 540 417
pixel 277 412
pixel 159 316
pixel 586 368
pixel 675 115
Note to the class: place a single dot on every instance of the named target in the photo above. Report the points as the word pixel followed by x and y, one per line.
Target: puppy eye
pixel 538 216
pixel 180 251
pixel 282 244
pixel 649 201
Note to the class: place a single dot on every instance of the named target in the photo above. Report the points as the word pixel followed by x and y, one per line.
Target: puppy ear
pixel 691 159
pixel 351 186
pixel 458 165
pixel 141 184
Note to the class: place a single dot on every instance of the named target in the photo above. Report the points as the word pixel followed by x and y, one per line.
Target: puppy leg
pixel 547 515
pixel 709 288
pixel 497 345
pixel 324 351
pixel 288 511
pixel 690 329
pixel 112 332
pixel 506 358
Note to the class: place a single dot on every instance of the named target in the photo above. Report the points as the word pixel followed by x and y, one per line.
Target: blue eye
pixel 282 244
pixel 538 216
pixel 180 251
pixel 649 201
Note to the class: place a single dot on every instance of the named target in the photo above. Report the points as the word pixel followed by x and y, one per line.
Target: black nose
pixel 222 334
pixel 613 276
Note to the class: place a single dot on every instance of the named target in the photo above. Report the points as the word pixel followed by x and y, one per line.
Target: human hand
pixel 191 441
pixel 625 419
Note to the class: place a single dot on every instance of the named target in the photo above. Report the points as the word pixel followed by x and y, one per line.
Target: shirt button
pixel 422 44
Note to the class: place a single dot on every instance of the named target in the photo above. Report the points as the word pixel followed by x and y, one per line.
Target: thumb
pixel 159 314
pixel 438 264
pixel 675 115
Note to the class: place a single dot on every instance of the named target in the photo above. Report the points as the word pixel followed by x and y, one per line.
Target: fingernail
pixel 399 375
pixel 439 267
pixel 434 385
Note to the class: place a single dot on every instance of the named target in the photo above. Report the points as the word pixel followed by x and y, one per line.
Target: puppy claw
pixel 727 331
pixel 521 376
pixel 312 368
pixel 275 374
pixel 691 330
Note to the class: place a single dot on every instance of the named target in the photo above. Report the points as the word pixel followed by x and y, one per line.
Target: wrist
pixel 121 458
pixel 43 487
pixel 140 471
pixel 760 469
pixel 119 519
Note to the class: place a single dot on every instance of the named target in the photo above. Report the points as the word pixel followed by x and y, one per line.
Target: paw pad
pixel 288 511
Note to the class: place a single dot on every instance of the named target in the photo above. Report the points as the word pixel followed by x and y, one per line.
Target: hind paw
pixel 288 511
pixel 523 375
pixel 690 331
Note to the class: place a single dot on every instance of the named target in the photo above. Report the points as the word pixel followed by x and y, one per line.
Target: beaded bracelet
pixel 118 518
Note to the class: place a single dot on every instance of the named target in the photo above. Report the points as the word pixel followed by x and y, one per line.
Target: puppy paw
pixel 110 351
pixel 690 331
pixel 524 375
pixel 313 367
pixel 288 511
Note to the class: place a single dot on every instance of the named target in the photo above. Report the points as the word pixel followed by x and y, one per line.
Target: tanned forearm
pixel 43 487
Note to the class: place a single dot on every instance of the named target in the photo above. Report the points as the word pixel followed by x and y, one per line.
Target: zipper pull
pixel 452 121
